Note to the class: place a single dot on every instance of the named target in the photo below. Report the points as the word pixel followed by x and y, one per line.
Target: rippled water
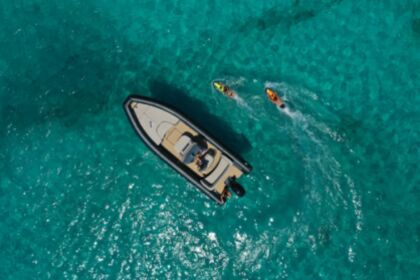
pixel 334 193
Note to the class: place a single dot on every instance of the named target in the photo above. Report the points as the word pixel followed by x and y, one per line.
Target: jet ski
pixel 224 89
pixel 274 97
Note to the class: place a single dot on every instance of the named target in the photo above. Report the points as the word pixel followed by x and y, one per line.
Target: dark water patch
pixel 66 76
pixel 284 19
pixel 349 126
pixel 33 104
pixel 416 26
pixel 324 233
pixel 199 113
pixel 275 18
pixel 415 20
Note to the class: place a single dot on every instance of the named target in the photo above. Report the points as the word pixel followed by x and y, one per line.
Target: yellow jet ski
pixel 274 97
pixel 224 89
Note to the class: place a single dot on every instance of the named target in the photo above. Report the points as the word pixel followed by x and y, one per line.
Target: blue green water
pixel 335 190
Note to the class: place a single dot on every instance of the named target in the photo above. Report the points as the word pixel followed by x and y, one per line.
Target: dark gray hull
pixel 168 157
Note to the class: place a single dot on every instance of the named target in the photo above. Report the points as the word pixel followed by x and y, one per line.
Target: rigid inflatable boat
pixel 187 148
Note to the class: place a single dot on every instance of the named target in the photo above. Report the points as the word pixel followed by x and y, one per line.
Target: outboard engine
pixel 236 188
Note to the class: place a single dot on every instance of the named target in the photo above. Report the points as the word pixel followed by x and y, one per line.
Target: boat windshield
pixel 192 151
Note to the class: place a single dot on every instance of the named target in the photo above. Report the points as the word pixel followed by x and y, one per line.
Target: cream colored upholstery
pixel 218 172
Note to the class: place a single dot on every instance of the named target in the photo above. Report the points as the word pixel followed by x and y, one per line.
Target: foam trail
pixel 305 122
pixel 274 85
pixel 288 112
pixel 323 172
pixel 321 126
pixel 321 165
pixel 308 120
pixel 297 117
pixel 289 90
pixel 322 168
pixel 243 104
pixel 235 81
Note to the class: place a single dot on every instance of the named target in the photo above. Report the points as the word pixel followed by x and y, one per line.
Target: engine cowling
pixel 236 188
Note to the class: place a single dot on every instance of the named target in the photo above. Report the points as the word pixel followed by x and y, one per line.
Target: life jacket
pixel 272 96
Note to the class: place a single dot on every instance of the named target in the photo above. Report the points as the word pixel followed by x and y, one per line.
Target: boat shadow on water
pixel 199 113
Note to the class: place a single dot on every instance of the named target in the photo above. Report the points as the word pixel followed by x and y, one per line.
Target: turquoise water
pixel 335 189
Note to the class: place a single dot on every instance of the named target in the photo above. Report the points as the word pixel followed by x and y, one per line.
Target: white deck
pixel 171 133
pixel 155 121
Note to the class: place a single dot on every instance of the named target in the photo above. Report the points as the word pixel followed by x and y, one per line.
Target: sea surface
pixel 335 189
